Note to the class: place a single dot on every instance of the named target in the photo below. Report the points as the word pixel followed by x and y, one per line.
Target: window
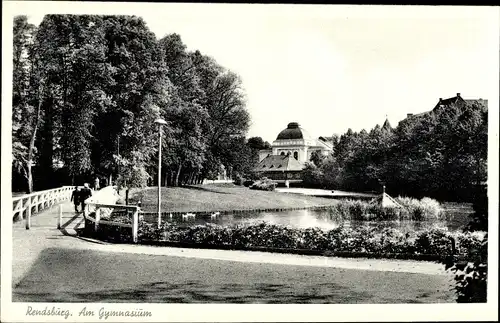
pixel 282 153
pixel 296 155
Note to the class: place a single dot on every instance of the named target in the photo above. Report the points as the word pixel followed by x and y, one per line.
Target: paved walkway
pixel 44 234
pixel 30 258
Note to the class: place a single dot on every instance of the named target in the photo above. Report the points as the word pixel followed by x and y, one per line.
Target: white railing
pixel 26 205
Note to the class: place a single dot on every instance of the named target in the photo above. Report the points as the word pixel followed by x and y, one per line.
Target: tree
pixel 317 158
pixel 138 89
pixel 87 90
pixel 26 100
pixel 225 102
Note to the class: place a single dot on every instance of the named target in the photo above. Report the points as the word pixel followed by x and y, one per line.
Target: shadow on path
pixel 71 275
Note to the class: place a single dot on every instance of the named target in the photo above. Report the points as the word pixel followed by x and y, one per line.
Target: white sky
pixel 329 67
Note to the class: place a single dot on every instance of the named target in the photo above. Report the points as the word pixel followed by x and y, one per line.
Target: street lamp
pixel 160 122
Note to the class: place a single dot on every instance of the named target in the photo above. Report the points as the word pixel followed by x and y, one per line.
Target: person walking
pixel 96 184
pixel 85 194
pixel 75 197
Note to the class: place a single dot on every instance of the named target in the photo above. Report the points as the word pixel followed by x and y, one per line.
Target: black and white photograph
pixel 193 162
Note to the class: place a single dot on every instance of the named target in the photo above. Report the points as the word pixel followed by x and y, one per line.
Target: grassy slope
pixel 63 275
pixel 221 198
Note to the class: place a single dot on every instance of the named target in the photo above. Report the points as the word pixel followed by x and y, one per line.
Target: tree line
pixel 87 90
pixel 440 154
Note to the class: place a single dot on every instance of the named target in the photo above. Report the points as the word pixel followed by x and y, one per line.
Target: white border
pixel 14 312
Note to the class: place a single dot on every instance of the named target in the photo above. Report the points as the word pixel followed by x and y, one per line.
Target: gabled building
pixel 289 154
pixel 280 168
pixel 457 100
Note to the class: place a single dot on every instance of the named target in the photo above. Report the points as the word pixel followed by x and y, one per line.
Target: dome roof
pixel 293 131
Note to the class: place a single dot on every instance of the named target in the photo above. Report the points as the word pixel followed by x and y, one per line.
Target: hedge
pixel 436 242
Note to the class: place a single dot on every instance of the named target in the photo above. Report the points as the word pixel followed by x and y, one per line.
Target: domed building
pixel 289 153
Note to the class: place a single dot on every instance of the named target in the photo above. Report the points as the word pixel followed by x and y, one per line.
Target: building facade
pixel 289 154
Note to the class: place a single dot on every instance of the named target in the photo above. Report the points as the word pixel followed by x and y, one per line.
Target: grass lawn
pixel 221 198
pixel 68 275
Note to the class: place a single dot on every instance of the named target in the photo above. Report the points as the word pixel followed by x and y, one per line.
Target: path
pixel 54 265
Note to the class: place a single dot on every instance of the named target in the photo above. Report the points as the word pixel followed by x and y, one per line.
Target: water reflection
pixel 323 219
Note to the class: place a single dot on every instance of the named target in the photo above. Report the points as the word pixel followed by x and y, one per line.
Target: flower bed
pixel 367 242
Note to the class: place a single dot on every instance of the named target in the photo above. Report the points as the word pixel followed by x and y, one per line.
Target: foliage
pixel 426 208
pixel 239 180
pixel 363 210
pixel 382 243
pixel 441 154
pixel 264 184
pixel 86 92
pixel 26 108
pixel 248 182
pixel 479 220
pixel 471 271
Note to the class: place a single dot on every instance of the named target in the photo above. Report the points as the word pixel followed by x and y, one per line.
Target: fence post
pixel 59 220
pixel 135 224
pixel 28 213
pixel 97 217
pixel 37 202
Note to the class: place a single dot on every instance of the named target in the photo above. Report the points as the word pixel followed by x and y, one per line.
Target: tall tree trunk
pixel 171 178
pixel 46 142
pixel 32 142
pixel 178 174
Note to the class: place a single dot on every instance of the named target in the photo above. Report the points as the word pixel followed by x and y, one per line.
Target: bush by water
pixel 436 241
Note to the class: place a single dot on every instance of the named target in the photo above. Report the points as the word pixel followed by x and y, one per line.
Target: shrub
pixel 479 219
pixel 239 180
pixel 426 208
pixel 363 210
pixel 264 184
pixel 248 182
pixel 471 274
pixel 436 241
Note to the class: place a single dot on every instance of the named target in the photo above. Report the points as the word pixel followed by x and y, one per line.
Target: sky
pixel 331 68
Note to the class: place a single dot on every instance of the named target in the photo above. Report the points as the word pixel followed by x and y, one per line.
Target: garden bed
pixel 428 245
pixel 432 244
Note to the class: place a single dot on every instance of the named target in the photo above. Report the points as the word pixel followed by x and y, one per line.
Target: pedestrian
pixel 96 184
pixel 85 194
pixel 75 197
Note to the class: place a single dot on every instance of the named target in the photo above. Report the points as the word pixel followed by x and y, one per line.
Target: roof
pixel 293 131
pixel 278 163
pixel 458 99
pixel 447 102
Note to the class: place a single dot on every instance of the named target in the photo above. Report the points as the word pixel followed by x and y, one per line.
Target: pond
pixel 454 219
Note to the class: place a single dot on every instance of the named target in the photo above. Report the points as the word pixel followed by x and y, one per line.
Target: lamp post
pixel 160 122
